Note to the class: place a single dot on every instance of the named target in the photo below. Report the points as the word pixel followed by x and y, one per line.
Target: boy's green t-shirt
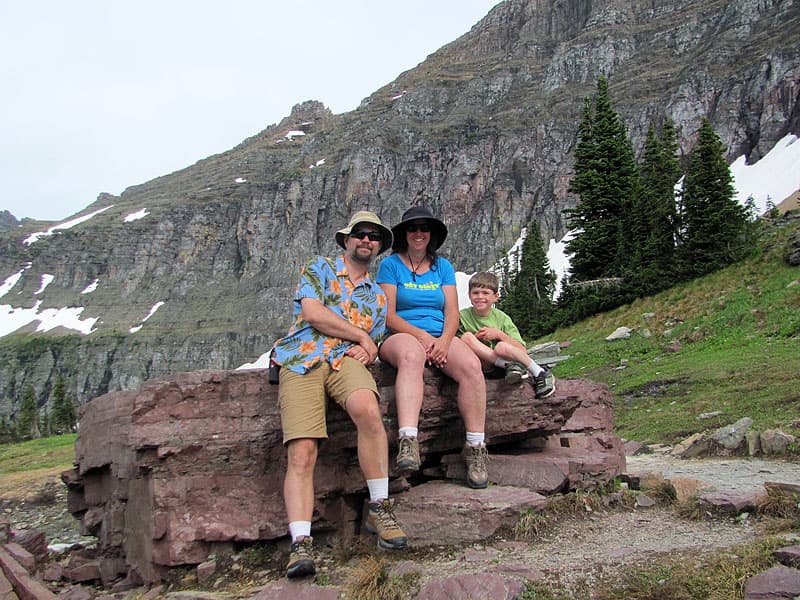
pixel 470 322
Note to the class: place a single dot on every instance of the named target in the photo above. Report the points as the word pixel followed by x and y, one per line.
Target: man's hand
pixel 360 355
pixel 324 320
pixel 365 351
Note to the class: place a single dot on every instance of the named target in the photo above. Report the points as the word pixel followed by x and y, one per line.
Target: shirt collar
pixel 341 271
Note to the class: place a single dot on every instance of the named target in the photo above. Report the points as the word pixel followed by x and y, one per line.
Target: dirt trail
pixel 725 474
pixel 577 552
pixel 572 555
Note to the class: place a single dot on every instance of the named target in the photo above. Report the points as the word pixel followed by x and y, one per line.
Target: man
pixel 339 315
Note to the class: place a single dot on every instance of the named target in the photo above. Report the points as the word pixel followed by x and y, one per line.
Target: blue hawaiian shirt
pixel 363 305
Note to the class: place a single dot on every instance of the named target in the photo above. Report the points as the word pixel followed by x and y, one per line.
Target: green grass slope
pixel 727 342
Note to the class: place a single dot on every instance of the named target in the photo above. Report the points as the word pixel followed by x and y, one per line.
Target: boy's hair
pixel 484 279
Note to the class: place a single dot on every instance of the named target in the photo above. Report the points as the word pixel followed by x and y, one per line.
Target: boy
pixel 492 335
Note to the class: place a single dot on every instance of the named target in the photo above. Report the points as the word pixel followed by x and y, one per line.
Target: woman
pixel 423 317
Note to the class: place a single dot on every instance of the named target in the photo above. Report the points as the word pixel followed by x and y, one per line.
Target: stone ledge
pixel 169 472
pixel 25 586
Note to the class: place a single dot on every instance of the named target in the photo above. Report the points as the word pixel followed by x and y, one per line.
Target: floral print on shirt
pixel 363 305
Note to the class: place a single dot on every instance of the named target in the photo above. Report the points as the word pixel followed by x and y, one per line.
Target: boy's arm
pixel 505 330
pixel 498 335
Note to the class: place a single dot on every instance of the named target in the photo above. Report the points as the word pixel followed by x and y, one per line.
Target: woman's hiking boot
pixel 477 460
pixel 408 454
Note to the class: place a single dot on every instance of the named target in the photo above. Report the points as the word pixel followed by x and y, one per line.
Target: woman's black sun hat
pixel 417 213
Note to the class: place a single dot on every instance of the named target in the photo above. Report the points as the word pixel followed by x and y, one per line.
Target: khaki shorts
pixel 302 397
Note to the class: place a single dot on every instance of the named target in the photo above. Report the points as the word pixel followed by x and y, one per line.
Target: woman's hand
pixel 437 352
pixel 427 341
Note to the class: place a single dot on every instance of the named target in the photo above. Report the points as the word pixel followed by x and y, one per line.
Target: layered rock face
pixel 482 132
pixel 167 473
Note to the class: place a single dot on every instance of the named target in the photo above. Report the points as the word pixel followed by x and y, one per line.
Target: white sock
pixel 378 489
pixel 475 438
pixel 501 362
pixel 534 368
pixel 299 528
pixel 408 432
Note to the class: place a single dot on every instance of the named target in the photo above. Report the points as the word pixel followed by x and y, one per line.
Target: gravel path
pixel 572 556
pixel 577 552
pixel 725 474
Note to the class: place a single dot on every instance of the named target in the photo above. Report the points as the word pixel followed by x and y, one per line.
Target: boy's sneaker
pixel 477 460
pixel 300 561
pixel 544 384
pixel 408 454
pixel 382 521
pixel 515 373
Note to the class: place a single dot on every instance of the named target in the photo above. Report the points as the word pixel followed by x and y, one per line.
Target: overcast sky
pixel 99 95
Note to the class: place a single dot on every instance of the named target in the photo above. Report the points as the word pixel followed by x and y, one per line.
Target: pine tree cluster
pixel 31 422
pixel 638 228
pixel 528 286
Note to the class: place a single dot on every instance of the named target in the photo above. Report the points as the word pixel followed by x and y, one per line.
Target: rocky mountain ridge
pixel 7 221
pixel 482 131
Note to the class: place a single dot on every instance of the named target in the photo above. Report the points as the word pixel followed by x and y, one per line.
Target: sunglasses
pixel 373 236
pixel 423 227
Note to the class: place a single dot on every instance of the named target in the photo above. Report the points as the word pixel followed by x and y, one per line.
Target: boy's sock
pixel 408 432
pixel 378 489
pixel 475 438
pixel 501 362
pixel 299 529
pixel 534 368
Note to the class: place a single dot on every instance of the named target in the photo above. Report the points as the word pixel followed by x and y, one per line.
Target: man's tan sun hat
pixel 365 216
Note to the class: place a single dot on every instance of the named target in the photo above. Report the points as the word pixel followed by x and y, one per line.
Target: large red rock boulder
pixel 167 473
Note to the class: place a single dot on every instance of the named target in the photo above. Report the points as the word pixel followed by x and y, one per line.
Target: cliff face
pixel 482 131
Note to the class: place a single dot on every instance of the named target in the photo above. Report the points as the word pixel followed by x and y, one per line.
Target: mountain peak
pixel 482 132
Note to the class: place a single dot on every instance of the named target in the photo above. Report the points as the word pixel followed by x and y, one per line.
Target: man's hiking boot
pixel 544 384
pixel 515 373
pixel 408 454
pixel 300 561
pixel 382 521
pixel 477 460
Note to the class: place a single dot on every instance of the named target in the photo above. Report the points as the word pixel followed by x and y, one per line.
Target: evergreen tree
pixel 44 422
pixel 528 286
pixel 28 419
pixel 71 413
pixel 7 433
pixel 671 173
pixel 714 225
pixel 606 179
pixel 642 209
pixel 656 228
pixel 63 410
